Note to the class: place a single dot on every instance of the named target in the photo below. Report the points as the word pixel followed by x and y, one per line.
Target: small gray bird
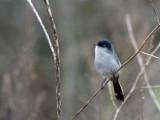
pixel 106 63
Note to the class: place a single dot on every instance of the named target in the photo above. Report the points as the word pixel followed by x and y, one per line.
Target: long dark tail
pixel 118 90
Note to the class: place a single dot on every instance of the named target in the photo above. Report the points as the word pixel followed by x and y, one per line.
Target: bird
pixel 107 63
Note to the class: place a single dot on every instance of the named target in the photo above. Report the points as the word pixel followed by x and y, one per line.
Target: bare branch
pixel 154 51
pixel 43 27
pixel 57 65
pixel 144 42
pixel 150 55
pixel 154 11
pixel 133 56
pixel 142 101
pixel 86 104
pixel 155 86
pixel 140 61
pixel 129 94
pixel 55 52
pixel 135 83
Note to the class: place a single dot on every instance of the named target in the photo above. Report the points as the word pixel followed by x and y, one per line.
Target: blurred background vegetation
pixel 27 72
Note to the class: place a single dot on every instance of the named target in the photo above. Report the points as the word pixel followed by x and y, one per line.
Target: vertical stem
pixel 57 60
pixel 142 98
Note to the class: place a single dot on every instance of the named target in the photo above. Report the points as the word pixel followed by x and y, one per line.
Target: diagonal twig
pixel 85 105
pixel 154 11
pixel 129 94
pixel 136 81
pixel 140 61
pixel 153 52
pixel 150 55
pixel 133 56
pixel 134 85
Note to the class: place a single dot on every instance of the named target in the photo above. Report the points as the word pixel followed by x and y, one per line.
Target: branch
pixel 139 58
pixel 155 86
pixel 85 105
pixel 133 56
pixel 154 11
pixel 140 61
pixel 150 55
pixel 129 94
pixel 144 42
pixel 134 86
pixel 154 51
pixel 138 76
pixel 55 52
pixel 57 65
pixel 142 101
pixel 43 27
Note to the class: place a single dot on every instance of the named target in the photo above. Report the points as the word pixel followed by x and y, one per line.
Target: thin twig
pixel 43 27
pixel 150 55
pixel 55 52
pixel 142 103
pixel 153 52
pixel 133 56
pixel 155 86
pixel 57 62
pixel 140 61
pixel 85 105
pixel 144 42
pixel 154 11
pixel 135 83
pixel 129 94
pixel 142 100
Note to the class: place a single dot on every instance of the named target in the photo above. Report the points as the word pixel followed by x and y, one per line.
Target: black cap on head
pixel 105 44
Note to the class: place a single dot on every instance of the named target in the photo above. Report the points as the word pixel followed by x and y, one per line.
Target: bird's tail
pixel 118 90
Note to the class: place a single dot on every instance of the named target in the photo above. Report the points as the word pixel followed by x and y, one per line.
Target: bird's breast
pixel 105 63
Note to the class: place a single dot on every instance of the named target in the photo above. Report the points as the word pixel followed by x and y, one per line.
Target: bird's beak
pixel 95 44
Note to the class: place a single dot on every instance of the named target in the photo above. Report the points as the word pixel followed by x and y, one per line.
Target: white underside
pixel 105 63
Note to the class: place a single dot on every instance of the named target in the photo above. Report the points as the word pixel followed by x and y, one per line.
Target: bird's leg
pixel 102 87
